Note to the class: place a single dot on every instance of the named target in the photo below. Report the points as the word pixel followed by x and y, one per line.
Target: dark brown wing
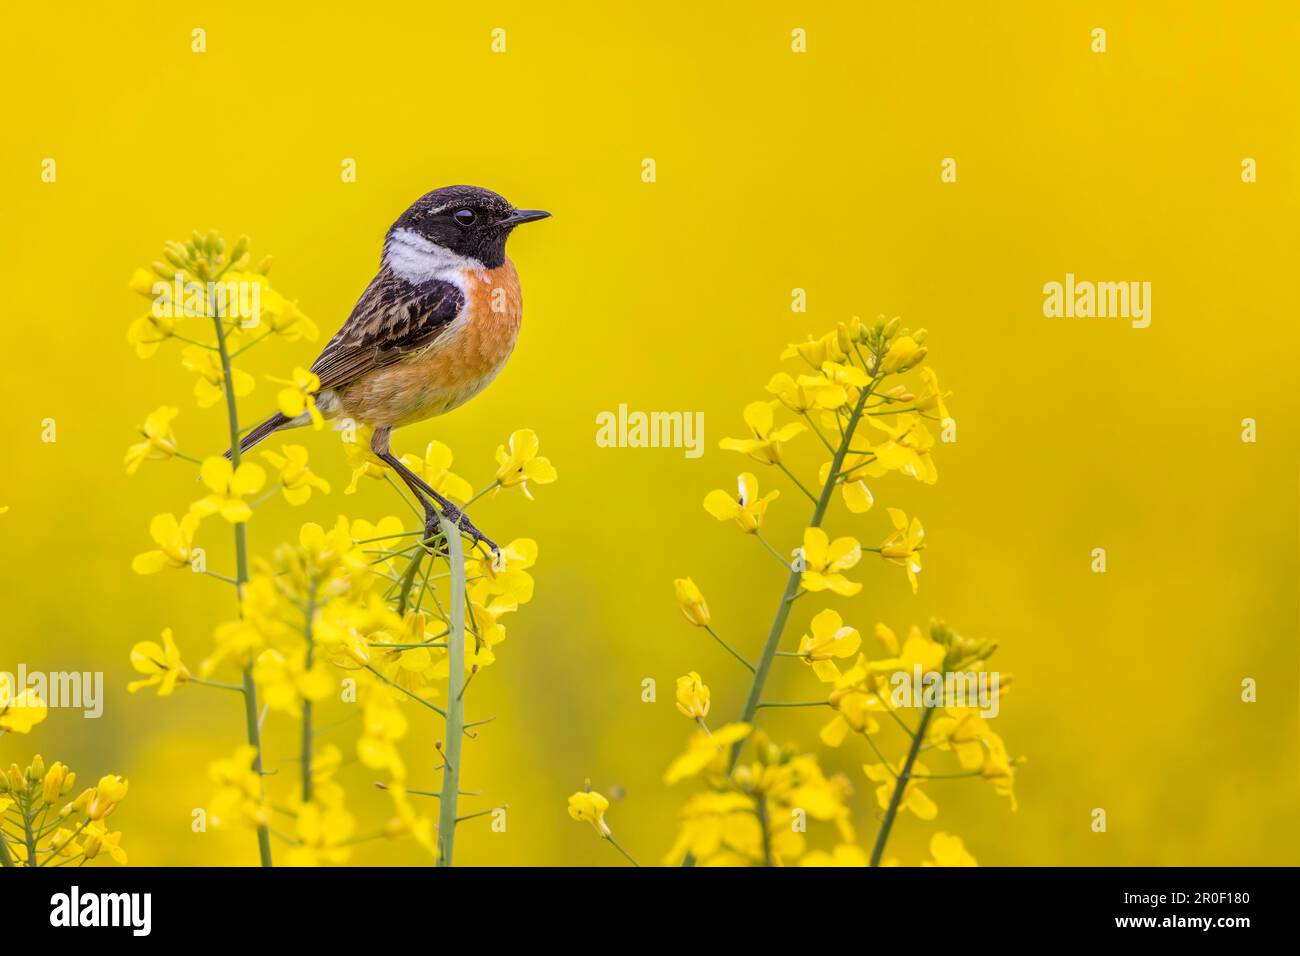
pixel 391 319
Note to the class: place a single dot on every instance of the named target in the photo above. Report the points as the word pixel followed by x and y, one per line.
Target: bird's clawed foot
pixel 461 520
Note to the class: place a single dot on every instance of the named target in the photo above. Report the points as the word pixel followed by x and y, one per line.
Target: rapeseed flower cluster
pixel 861 399
pixel 42 824
pixel 367 617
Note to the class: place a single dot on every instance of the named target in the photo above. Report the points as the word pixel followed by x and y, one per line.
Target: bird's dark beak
pixel 520 216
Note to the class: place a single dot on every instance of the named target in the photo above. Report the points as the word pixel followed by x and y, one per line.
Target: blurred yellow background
pixel 775 171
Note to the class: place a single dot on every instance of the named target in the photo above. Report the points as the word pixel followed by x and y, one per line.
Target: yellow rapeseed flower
pixel 98 840
pixel 844 854
pixel 19 711
pixel 746 508
pixel 692 696
pixel 149 332
pixel 323 832
pixel 824 560
pixel 854 470
pixel 503 575
pixel 284 681
pixel 903 546
pixel 383 725
pixel 907 450
pixel 175 540
pixel 361 459
pixel 807 392
pixel 239 789
pixel 108 793
pixel 210 386
pixel 162 663
pixel 229 487
pixel 704 750
pixel 918 650
pixel 929 401
pixel 519 464
pixel 816 352
pixel 278 314
pixel 904 353
pixel 299 396
pixel 435 468
pixel 765 445
pixel 830 638
pixel 159 443
pixel 948 850
pixel 914 798
pixel 589 806
pixel 855 700
pixel 296 479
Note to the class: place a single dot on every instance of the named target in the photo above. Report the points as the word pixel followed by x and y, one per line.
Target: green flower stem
pixel 455 689
pixel 31 837
pixel 818 432
pixel 900 787
pixel 879 756
pixel 254 729
pixel 255 739
pixel 761 808
pixel 730 650
pixel 407 579
pixel 949 776
pixel 248 345
pixel 799 484
pixel 618 846
pixel 408 647
pixel 897 719
pixel 306 758
pixel 792 585
pixel 53 854
pixel 431 793
pixel 495 483
pixel 388 537
pixel 5 857
pixel 211 683
pixel 409 693
pixel 775 553
pixel 401 494
pixel 478 813
pixel 793 703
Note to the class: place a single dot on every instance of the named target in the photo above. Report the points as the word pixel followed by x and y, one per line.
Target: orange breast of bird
pixel 454 367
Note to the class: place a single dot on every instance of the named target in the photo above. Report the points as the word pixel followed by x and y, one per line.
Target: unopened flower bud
pixel 692 696
pixel 53 783
pixel 692 603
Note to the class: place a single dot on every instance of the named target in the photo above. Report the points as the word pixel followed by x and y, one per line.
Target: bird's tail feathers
pixel 264 430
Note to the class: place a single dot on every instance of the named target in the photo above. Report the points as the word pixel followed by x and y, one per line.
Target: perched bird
pixel 430 331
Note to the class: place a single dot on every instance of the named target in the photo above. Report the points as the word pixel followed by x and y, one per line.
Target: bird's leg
pixel 422 491
pixel 431 527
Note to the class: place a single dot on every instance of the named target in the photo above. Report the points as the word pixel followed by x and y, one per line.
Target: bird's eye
pixel 464 216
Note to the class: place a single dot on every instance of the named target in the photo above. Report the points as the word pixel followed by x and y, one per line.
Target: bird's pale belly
pixel 458 365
